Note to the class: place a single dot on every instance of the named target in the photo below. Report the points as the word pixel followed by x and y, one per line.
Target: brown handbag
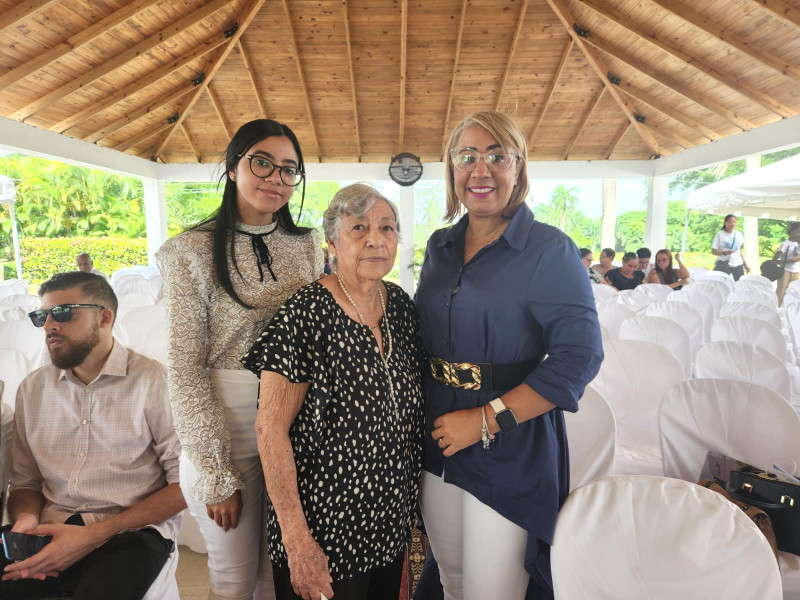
pixel 759 517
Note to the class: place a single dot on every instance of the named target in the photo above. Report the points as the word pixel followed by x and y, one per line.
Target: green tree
pixel 563 201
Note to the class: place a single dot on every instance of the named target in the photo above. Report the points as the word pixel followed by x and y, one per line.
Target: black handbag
pixel 771 271
pixel 779 499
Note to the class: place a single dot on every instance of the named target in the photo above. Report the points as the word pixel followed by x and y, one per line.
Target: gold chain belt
pixel 448 373
pixel 480 376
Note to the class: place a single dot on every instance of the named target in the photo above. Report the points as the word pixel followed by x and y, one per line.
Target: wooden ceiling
pixel 362 80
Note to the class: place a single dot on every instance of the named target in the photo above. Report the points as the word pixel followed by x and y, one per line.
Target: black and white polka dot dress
pixel 358 455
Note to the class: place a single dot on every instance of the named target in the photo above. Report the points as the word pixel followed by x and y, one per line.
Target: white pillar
pixel 406 250
pixel 608 222
pixel 655 233
pixel 751 226
pixel 155 211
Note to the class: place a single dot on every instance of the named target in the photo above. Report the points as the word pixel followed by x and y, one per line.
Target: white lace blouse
pixel 206 329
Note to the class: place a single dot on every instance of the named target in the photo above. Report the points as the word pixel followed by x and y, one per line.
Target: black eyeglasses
pixel 61 313
pixel 262 167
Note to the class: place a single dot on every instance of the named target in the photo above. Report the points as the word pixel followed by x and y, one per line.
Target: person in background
pixel 788 257
pixel 665 274
pixel 727 247
pixel 645 267
pixel 594 276
pixel 627 277
pixel 605 265
pixel 85 264
pixel 327 257
pixel 223 281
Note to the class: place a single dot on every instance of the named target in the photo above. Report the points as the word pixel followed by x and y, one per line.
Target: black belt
pixel 484 377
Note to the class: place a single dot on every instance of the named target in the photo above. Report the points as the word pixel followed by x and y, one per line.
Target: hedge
pixel 43 257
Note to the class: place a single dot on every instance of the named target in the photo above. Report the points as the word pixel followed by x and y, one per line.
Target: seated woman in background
pixel 594 276
pixel 664 274
pixel 626 277
pixel 788 257
pixel 604 266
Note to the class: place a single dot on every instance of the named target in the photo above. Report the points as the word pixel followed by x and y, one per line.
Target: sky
pixel 631 194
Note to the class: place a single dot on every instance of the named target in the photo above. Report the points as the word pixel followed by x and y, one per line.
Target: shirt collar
pixel 116 364
pixel 516 234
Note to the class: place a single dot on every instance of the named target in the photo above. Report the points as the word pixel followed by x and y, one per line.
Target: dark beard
pixel 70 354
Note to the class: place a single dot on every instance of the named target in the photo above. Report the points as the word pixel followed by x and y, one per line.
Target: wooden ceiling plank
pixel 243 22
pixel 509 59
pixel 123 145
pixel 616 16
pixel 107 67
pixel 617 139
pixel 564 15
pixel 739 43
pixel 669 82
pixel 262 111
pixel 96 108
pixel 669 135
pixel 551 89
pixel 74 42
pixel 352 76
pixel 24 10
pixel 782 10
pixel 584 120
pixel 218 109
pixel 464 5
pixel 191 142
pixel 403 73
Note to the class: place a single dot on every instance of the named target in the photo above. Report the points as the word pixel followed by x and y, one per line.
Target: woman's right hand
pixel 308 570
pixel 226 513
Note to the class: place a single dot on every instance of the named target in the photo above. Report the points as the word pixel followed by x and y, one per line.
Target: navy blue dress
pixel 524 295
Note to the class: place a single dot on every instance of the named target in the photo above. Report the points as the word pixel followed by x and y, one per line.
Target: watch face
pixel 506 420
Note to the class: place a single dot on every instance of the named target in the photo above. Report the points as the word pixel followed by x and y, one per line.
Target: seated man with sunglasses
pixel 95 455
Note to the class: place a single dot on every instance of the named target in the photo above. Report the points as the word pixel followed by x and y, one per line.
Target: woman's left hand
pixel 456 430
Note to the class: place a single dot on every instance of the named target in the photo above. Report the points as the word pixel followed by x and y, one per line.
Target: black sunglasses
pixel 61 313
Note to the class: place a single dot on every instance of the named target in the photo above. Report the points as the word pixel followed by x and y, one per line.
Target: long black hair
pixel 725 220
pixel 224 219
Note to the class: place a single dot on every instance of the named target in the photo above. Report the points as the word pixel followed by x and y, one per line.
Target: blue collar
pixel 515 235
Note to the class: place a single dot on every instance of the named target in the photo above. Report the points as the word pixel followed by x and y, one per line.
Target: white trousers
pixel 481 554
pixel 237 559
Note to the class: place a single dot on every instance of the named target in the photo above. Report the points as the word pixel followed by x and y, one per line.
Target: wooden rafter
pixel 352 76
pixel 669 82
pixel 464 4
pixel 84 36
pixel 668 135
pixel 218 109
pixel 509 59
pixel 770 60
pixel 243 22
pixel 261 110
pixel 584 119
pixel 171 67
pixel 107 67
pixel 780 9
pixel 24 10
pixel 618 17
pixel 403 73
pixel 617 139
pixel 123 145
pixel 191 142
pixel 550 90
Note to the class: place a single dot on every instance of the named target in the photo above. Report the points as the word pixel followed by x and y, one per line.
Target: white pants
pixel 235 560
pixel 481 554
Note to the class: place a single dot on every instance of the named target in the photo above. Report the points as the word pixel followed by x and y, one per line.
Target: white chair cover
pixel 751 331
pixel 592 439
pixel 661 331
pixel 165 586
pixel 611 315
pixel 635 538
pixel 748 309
pixel 26 301
pixel 768 299
pixel 655 289
pixel 155 344
pixel 137 323
pixel 741 361
pixel 636 300
pixel 135 284
pixel 684 315
pixel 10 287
pixel 698 272
pixel 137 299
pixel 14 367
pixel 702 303
pixel 755 278
pixel 632 378
pixel 140 270
pixel 602 292
pixel 719 276
pixel 723 285
pixel 23 336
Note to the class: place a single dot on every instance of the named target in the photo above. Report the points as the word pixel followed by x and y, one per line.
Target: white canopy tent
pixel 8 195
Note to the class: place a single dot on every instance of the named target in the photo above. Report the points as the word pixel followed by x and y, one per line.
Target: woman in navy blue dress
pixel 509 320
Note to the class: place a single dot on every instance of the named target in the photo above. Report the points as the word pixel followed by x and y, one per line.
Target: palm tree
pixel 563 201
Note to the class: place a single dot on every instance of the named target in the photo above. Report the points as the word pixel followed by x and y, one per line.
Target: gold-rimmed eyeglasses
pixel 466 159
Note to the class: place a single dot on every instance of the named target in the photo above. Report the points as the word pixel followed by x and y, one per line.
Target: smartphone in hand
pixel 19 546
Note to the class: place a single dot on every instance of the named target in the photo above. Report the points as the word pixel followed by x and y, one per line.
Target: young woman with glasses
pixel 223 281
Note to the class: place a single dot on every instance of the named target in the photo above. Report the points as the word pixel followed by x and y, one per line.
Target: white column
pixel 655 233
pixel 155 211
pixel 751 226
pixel 406 250
pixel 608 222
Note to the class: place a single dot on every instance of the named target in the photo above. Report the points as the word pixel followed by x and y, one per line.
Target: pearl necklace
pixel 386 358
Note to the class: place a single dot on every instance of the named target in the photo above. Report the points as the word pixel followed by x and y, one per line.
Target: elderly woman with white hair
pixel 340 418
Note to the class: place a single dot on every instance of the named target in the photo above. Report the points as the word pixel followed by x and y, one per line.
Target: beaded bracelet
pixel 486 435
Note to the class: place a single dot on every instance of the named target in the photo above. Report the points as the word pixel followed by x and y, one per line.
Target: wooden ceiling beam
pixel 782 10
pixel 464 4
pixel 739 43
pixel 548 96
pixel 218 109
pixel 617 139
pixel 618 17
pixel 118 61
pixel 563 13
pixel 352 76
pixel 584 119
pixel 261 110
pixel 676 139
pixel 171 67
pixel 403 73
pixel 668 82
pixel 246 18
pixel 127 143
pixel 520 20
pixel 84 36
pixel 24 10
pixel 191 142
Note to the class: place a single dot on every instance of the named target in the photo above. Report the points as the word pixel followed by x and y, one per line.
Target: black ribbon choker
pixel 263 257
